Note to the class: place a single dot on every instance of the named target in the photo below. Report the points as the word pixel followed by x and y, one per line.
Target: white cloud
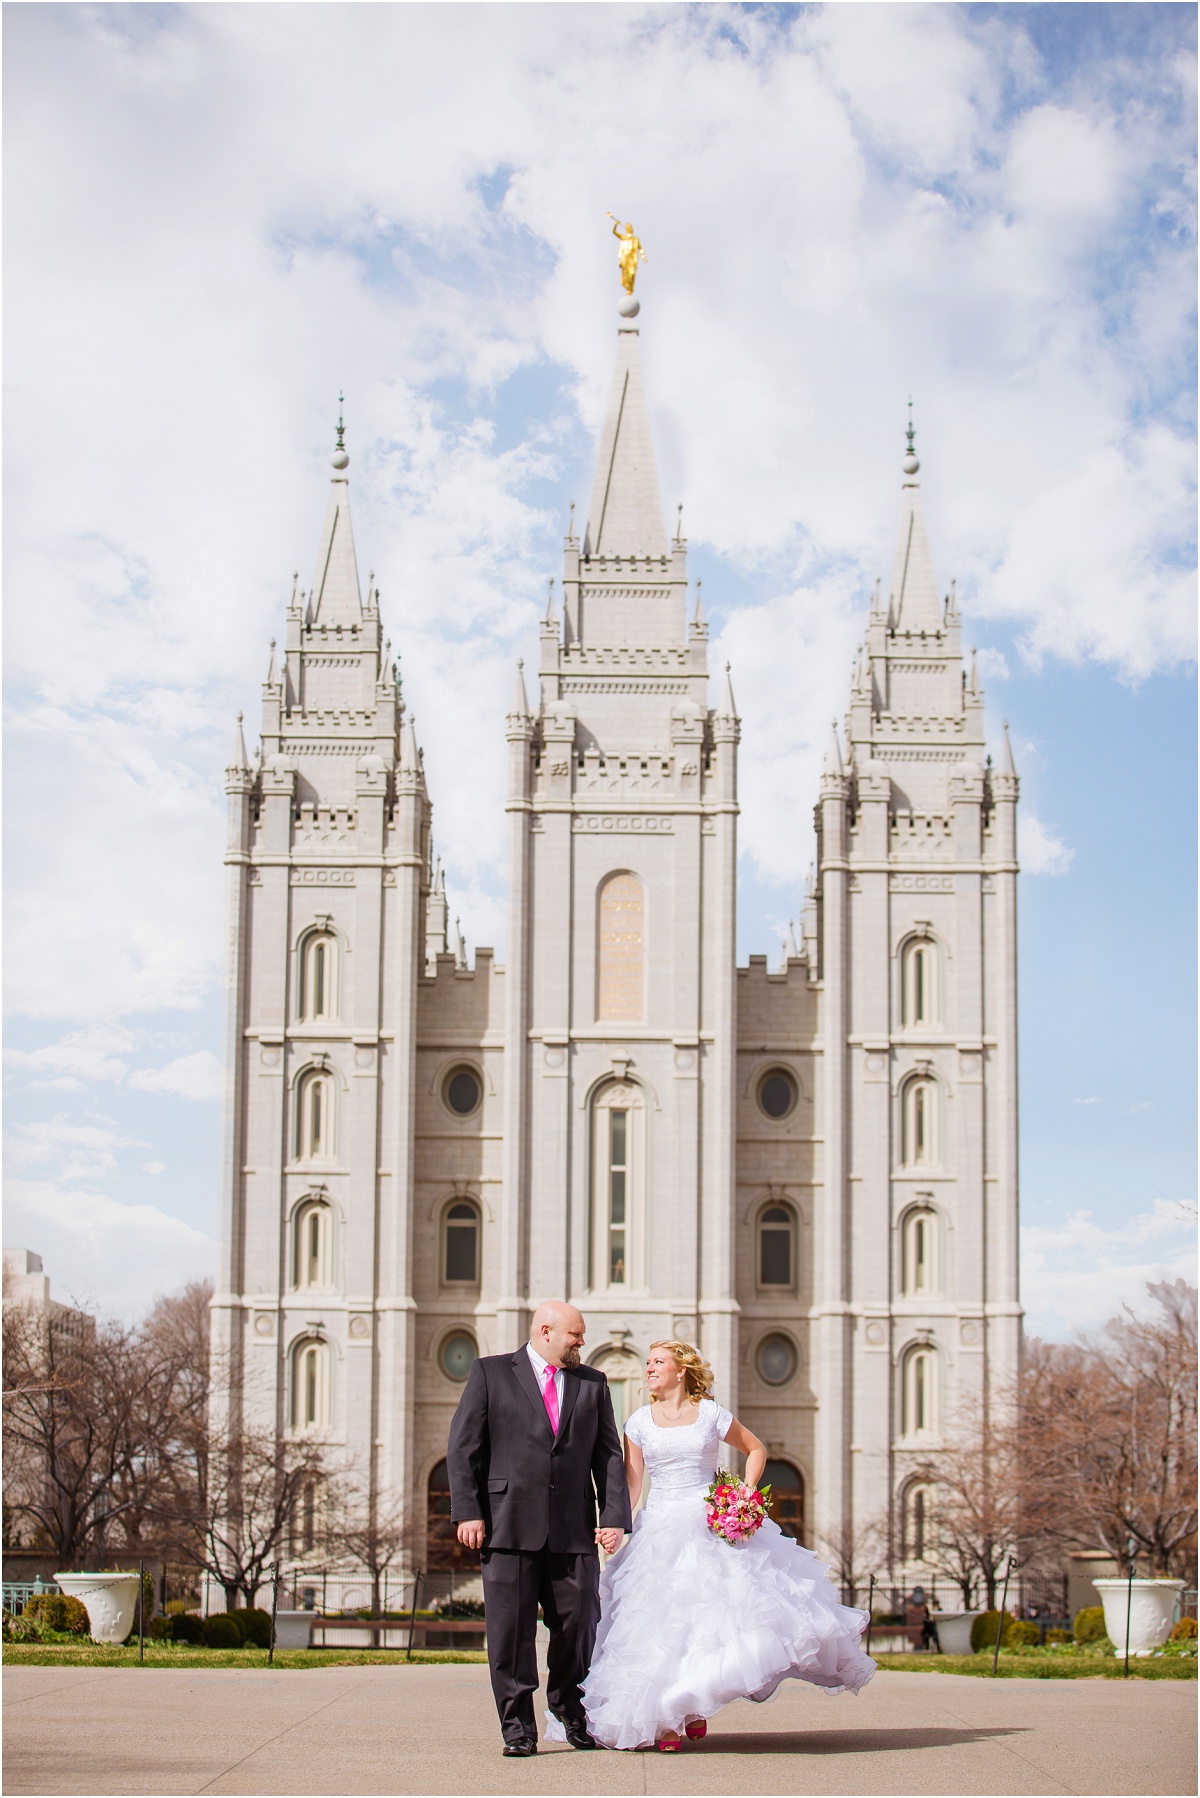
pixel 1038 849
pixel 197 1076
pixel 79 1151
pixel 154 1167
pixel 95 1053
pixel 104 1254
pixel 1077 1274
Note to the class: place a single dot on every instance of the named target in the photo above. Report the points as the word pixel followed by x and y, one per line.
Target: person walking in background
pixel 537 1480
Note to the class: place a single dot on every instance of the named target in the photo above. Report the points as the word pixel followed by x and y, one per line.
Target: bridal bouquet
pixel 735 1510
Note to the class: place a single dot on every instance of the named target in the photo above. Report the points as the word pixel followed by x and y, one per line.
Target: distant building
pixel 27 1283
pixel 811 1173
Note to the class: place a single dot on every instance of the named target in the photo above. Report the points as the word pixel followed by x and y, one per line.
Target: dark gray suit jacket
pixel 535 1489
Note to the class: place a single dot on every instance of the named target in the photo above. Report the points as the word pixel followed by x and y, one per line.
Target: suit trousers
pixel 515 1582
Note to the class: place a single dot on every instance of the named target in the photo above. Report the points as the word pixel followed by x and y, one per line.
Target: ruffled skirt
pixel 689 1623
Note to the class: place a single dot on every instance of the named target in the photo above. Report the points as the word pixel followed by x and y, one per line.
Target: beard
pixel 570 1357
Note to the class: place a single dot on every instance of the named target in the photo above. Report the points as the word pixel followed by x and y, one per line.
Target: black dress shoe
pixel 578 1736
pixel 522 1749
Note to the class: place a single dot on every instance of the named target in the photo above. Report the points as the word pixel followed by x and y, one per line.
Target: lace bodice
pixel 681 1461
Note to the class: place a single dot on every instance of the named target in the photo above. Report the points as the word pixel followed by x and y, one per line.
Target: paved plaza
pixel 432 1729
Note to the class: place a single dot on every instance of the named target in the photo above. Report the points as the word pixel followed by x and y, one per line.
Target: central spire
pixel 336 597
pixel 625 518
pixel 914 594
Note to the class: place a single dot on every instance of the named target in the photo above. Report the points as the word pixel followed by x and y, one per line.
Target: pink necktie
pixel 550 1398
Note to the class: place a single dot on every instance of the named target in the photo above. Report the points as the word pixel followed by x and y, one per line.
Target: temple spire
pixel 336 597
pixel 913 603
pixel 625 517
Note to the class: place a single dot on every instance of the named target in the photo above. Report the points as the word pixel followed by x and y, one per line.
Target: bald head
pixel 557 1332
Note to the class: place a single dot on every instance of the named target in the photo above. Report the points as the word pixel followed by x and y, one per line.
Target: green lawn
pixel 1041 1664
pixel 163 1654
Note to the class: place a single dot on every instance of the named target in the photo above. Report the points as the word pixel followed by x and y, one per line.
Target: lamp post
pixel 1131 1546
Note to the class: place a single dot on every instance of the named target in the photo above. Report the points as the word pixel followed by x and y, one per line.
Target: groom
pixel 534 1448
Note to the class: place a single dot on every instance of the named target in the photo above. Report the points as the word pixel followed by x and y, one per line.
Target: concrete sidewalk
pixel 432 1729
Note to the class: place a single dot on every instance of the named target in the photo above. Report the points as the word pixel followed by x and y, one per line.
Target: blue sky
pixel 217 217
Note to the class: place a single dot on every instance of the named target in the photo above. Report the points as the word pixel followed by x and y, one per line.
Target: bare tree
pixel 242 1520
pixel 1109 1435
pixel 977 1522
pixel 80 1413
pixel 376 1534
pixel 854 1552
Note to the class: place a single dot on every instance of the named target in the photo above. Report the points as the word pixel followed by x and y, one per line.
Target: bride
pixel 688 1622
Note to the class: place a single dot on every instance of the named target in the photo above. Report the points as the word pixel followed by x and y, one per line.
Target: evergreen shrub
pixel 1089 1624
pixel 1184 1630
pixel 1021 1635
pixel 54 1610
pixel 983 1631
pixel 186 1626
pixel 220 1632
pixel 1058 1635
pixel 254 1626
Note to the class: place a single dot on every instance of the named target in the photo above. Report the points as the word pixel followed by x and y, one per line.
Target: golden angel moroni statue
pixel 631 251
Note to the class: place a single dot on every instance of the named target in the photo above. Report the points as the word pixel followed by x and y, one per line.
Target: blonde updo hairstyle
pixel 697 1374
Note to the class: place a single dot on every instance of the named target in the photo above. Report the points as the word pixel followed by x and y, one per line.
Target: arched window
pixel 460 1243
pixel 621 949
pixel 920 1540
pixel 921 1254
pixel 618 1160
pixel 319 977
pixel 312 1245
pixel 307 1519
pixel 625 1376
pixel 921 999
pixel 921 1392
pixel 776 1246
pixel 315 1140
pixel 920 1122
pixel 787 1497
pixel 310 1385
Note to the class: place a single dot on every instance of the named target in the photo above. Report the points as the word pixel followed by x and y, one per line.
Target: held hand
pixel 471 1534
pixel 610 1540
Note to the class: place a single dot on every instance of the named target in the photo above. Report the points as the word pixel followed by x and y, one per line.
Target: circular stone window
pixel 456 1355
pixel 776 1360
pixel 462 1091
pixel 777 1093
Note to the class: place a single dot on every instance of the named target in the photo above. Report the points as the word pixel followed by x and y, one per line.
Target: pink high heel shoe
pixel 697 1731
pixel 668 1745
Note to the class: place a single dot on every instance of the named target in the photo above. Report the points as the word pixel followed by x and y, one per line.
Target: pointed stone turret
pixel 913 603
pixel 1007 765
pixel 728 707
pixel 238 762
pixel 625 518
pixel 335 597
pixel 519 708
pixel 834 768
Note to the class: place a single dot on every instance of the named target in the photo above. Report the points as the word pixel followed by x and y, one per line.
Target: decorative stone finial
pixel 910 464
pixel 340 458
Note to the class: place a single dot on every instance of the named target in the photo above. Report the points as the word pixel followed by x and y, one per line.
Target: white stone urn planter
pixel 954 1630
pixel 110 1598
pixel 293 1629
pixel 1151 1612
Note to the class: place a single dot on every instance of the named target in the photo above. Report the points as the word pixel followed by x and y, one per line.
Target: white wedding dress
pixel 688 1622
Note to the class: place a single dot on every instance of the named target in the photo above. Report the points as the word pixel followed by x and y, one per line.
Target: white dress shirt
pixel 539 1367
